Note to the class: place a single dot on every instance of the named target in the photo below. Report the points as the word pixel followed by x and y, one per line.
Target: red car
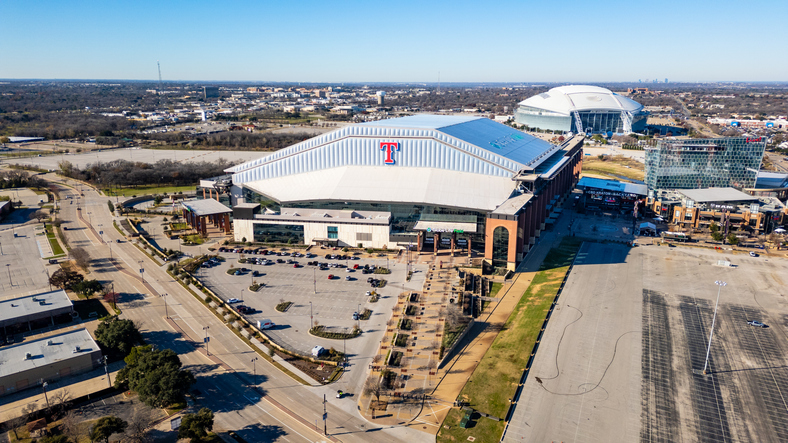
pixel 355 266
pixel 330 276
pixel 295 265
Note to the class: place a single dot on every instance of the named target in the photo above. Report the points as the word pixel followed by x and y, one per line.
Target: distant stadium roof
pixel 567 99
pixel 716 195
pixel 612 185
pixel 24 139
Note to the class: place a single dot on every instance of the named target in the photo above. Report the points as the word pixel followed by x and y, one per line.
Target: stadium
pixel 582 109
pixel 427 182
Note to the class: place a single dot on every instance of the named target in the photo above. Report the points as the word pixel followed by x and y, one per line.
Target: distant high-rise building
pixel 666 80
pixel 381 98
pixel 210 91
pixel 640 81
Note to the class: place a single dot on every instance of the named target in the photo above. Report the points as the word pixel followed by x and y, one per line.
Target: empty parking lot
pixel 621 355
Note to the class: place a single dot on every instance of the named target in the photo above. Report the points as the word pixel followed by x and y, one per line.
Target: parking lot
pixel 330 302
pixel 621 355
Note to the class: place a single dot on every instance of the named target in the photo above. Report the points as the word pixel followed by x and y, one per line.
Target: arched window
pixel 500 252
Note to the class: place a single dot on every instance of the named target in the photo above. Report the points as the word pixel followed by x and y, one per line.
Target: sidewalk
pixel 76 386
pixel 456 372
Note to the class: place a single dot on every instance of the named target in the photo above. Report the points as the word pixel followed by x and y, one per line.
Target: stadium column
pixel 203 193
pixel 227 223
pixel 203 225
pixel 419 240
pixel 453 242
pixel 437 241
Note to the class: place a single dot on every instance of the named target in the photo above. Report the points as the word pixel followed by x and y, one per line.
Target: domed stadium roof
pixel 567 99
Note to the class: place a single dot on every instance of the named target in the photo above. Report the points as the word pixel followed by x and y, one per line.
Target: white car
pixel 752 254
pixel 233 300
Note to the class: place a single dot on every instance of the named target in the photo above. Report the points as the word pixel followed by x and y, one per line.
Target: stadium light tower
pixel 720 284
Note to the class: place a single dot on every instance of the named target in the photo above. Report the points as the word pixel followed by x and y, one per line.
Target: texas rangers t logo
pixel 389 147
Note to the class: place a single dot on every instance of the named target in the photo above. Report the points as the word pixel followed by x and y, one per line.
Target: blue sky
pixel 396 41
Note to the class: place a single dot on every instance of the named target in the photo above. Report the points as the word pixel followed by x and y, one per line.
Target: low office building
pixel 601 194
pixel 34 311
pixel 770 184
pixel 732 210
pixel 29 364
pixel 427 181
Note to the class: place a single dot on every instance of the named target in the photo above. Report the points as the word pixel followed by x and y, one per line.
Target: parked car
pixel 355 316
pixel 233 300
pixel 317 351
pixel 348 278
pixel 756 323
pixel 752 254
pixel 330 276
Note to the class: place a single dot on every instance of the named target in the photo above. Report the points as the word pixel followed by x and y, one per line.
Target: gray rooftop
pixel 33 306
pixel 513 205
pixel 716 195
pixel 42 353
pixel 329 216
pixel 207 206
pixel 612 185
pixel 771 180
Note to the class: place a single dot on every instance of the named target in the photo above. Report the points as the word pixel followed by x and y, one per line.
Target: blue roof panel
pixel 499 139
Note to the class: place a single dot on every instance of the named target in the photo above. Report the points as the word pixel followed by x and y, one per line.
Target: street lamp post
pixel 314 279
pixel 166 314
pixel 720 284
pixel 205 328
pixel 106 370
pixel 142 271
pixel 311 318
pixel 254 370
pixel 44 387
pixel 8 266
pixel 358 317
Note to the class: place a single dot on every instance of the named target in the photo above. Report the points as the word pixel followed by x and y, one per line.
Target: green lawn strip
pixel 56 248
pixel 507 357
pixel 482 428
pixel 148 190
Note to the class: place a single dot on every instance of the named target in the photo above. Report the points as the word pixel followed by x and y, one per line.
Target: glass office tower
pixel 704 163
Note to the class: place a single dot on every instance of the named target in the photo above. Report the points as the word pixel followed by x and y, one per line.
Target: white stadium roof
pixel 567 99
pixel 457 161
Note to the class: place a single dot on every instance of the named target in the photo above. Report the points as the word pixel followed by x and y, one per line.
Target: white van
pixel 317 350
pixel 265 324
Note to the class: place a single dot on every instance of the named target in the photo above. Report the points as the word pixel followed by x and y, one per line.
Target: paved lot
pixel 332 305
pixel 617 360
pixel 22 271
pixel 137 155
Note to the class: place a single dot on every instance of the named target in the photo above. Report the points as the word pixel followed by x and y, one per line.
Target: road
pixel 285 410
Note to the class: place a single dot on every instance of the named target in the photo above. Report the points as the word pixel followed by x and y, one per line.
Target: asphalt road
pixel 227 391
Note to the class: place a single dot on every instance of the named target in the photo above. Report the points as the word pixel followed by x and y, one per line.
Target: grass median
pixel 614 167
pixel 498 374
pixel 148 190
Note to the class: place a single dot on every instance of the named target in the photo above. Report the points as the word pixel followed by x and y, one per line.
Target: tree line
pixel 62 125
pixel 127 173
pixel 232 140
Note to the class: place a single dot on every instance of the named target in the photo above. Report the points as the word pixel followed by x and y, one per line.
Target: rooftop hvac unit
pixel 76 349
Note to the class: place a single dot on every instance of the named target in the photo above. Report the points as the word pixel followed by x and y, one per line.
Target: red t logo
pixel 389 147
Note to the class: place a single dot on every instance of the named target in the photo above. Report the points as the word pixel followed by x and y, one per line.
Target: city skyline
pixel 407 42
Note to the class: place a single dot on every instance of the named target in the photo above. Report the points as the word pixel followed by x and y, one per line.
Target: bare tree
pixel 38 215
pixel 373 387
pixel 60 399
pixel 80 257
pixel 70 425
pixel 17 422
pixel 139 426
